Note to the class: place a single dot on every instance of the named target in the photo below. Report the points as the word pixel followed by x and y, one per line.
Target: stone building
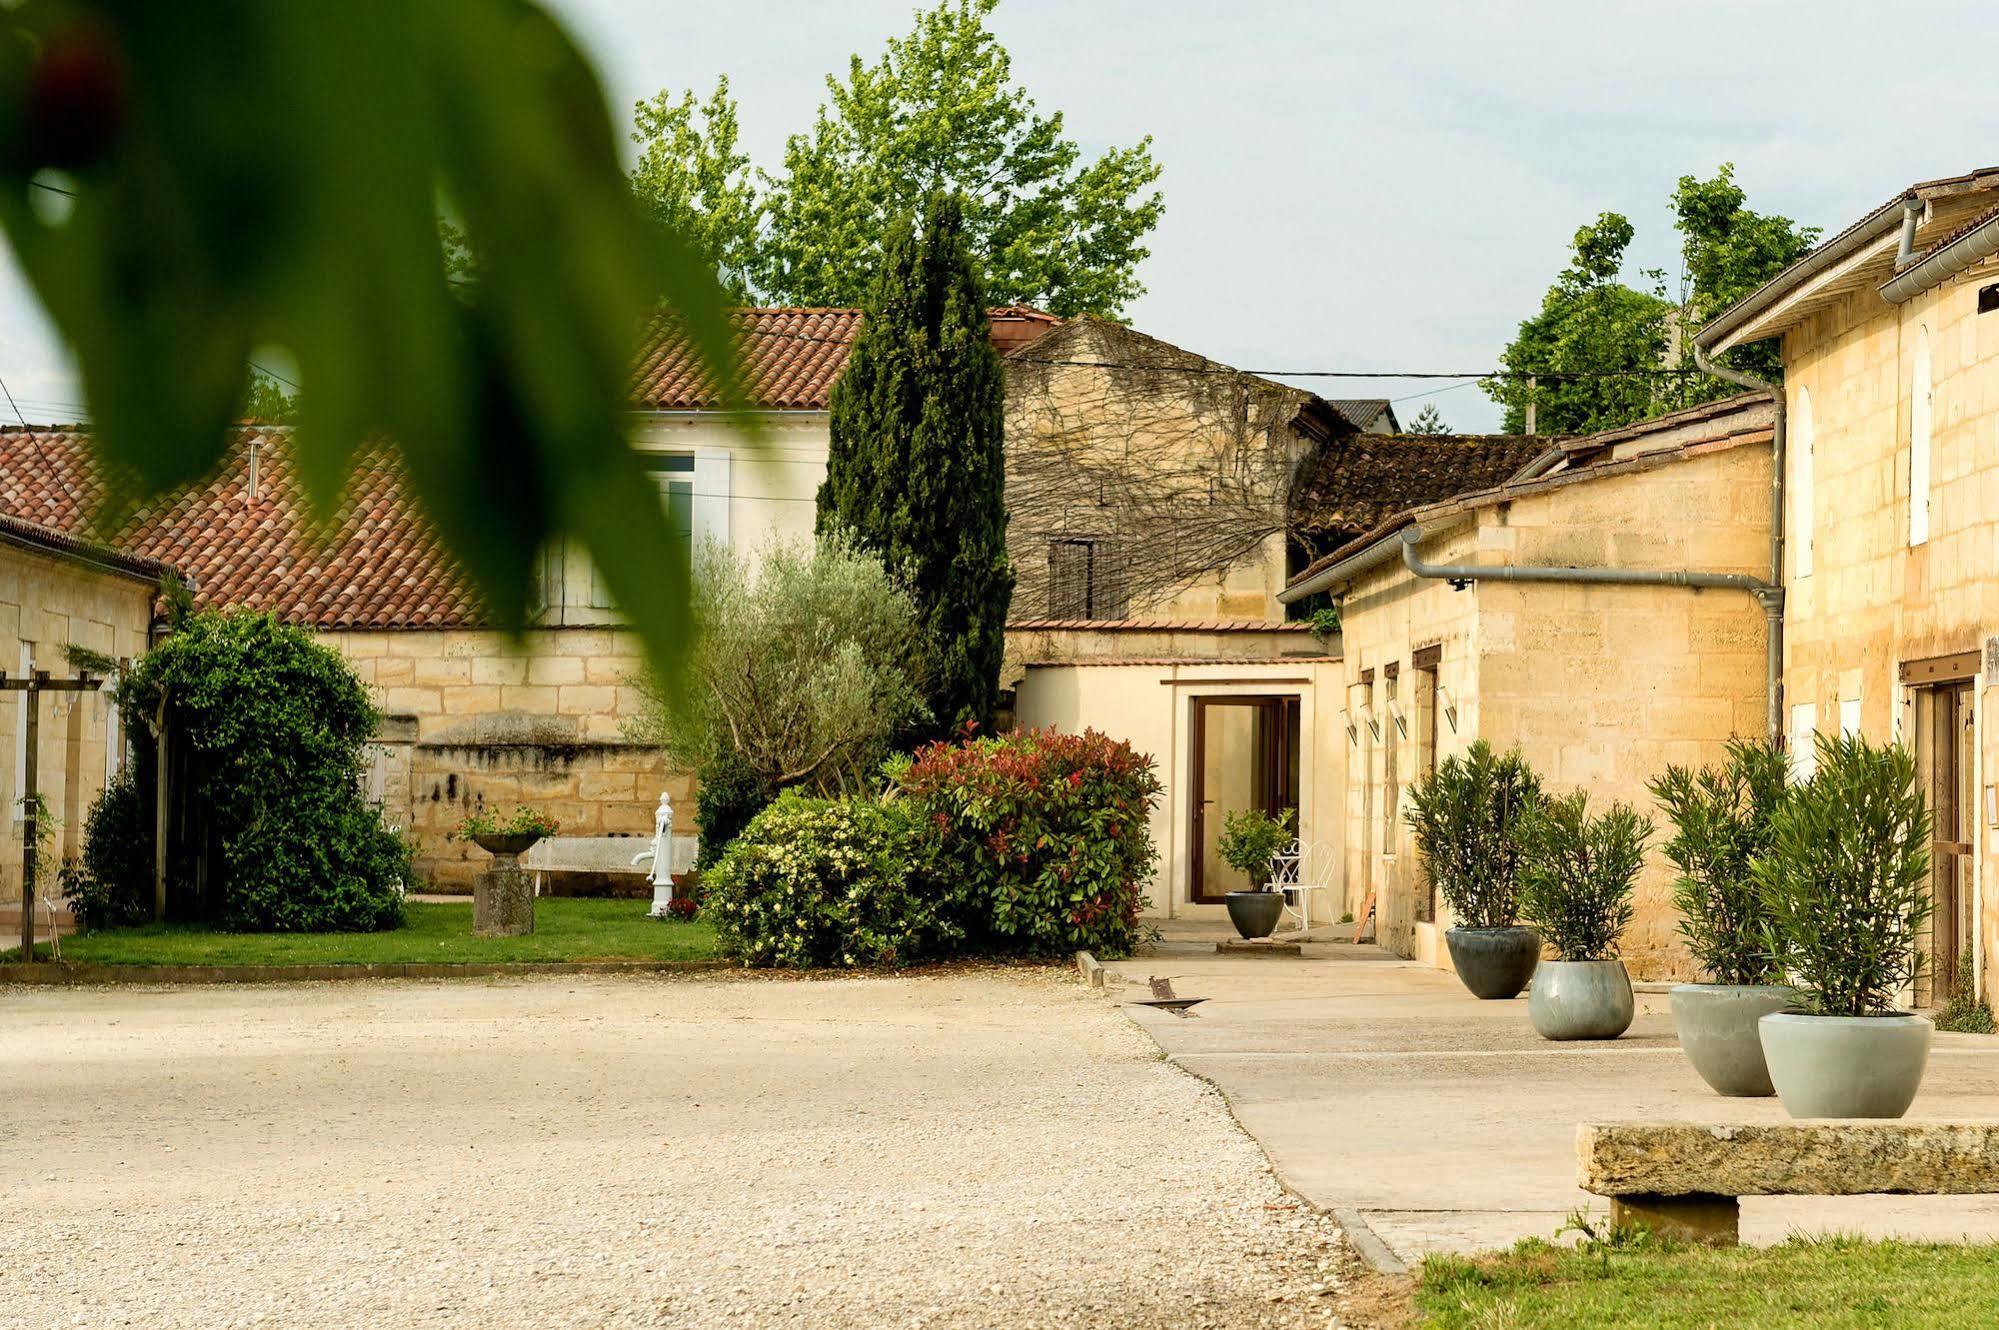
pixel 59 592
pixel 1600 685
pixel 1890 341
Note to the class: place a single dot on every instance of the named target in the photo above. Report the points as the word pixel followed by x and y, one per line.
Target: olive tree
pixel 801 676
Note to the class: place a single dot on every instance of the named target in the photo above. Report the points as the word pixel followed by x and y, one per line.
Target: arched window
pixel 1804 465
pixel 1919 441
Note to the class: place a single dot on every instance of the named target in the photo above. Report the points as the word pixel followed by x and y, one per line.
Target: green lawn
pixel 1829 1284
pixel 566 929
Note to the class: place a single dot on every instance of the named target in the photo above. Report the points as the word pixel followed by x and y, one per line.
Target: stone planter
pixel 1717 1029
pixel 1494 962
pixel 1846 1066
pixel 503 895
pixel 1255 913
pixel 1581 1000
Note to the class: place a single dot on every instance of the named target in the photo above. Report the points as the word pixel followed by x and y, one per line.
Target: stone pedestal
pixel 1700 1217
pixel 503 900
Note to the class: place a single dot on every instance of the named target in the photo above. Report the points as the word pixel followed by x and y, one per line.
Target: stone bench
pixel 1682 1179
pixel 601 854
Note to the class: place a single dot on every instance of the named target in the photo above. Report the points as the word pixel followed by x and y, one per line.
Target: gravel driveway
pixel 992 1148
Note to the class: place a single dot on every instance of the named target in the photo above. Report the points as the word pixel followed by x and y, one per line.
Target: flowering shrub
pixel 522 821
pixel 1046 838
pixel 812 882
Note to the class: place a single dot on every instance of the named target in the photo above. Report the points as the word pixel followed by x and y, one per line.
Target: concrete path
pixel 1379 1086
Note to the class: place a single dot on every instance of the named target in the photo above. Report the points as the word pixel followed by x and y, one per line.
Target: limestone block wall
pixel 46 604
pixel 1600 686
pixel 1868 598
pixel 476 720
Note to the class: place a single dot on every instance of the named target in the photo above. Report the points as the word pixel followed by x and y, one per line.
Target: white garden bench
pixel 1682 1179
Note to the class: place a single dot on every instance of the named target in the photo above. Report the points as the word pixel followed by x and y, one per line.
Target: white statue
pixel 661 856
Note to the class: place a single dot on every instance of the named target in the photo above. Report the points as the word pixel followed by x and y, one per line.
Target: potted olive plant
pixel 1250 839
pixel 1466 820
pixel 1576 877
pixel 1845 882
pixel 1721 822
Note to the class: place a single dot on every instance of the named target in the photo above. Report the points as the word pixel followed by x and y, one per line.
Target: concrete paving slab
pixel 1380 1086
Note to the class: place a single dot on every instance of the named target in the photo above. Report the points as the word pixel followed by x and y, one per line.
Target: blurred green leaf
pixel 240 174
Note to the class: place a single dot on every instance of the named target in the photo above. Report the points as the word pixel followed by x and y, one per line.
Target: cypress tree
pixel 917 465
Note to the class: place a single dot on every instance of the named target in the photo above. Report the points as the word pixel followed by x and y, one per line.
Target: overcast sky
pixel 1366 186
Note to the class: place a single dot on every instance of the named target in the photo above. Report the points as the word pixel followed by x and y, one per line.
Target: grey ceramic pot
pixel 1255 913
pixel 1846 1066
pixel 1580 1000
pixel 1494 962
pixel 1717 1028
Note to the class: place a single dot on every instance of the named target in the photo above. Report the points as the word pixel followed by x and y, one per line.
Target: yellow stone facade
pixel 474 720
pixel 1600 686
pixel 47 603
pixel 1875 588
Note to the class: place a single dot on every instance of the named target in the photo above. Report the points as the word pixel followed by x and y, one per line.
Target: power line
pixel 10 401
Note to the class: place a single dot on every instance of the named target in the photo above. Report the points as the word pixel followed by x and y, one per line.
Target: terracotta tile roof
pixel 790 357
pixel 378 565
pixel 1356 482
pixel 1157 626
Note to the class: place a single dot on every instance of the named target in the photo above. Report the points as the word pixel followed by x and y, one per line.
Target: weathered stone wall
pixel 1600 686
pixel 475 720
pixel 46 604
pixel 1868 600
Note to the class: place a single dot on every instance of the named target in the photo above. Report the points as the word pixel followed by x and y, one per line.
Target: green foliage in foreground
pixel 566 929
pixel 1826 1284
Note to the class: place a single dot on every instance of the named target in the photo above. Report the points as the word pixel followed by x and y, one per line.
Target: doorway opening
pixel 1245 757
pixel 1946 766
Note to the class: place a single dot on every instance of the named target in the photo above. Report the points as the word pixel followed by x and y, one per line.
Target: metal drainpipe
pixel 1773 605
pixel 1770 597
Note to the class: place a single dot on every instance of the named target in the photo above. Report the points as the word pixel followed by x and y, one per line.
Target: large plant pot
pixel 1581 1000
pixel 1255 913
pixel 1846 1066
pixel 1494 962
pixel 1717 1028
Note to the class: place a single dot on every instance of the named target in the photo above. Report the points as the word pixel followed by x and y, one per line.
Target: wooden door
pixel 1944 753
pixel 1245 756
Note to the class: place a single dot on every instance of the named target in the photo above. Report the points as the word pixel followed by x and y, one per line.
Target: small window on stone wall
pixel 1085 580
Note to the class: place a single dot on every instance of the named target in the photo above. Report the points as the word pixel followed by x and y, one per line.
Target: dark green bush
pixel 272 724
pixel 829 882
pixel 727 798
pixel 1846 879
pixel 113 885
pixel 1466 820
pixel 1047 838
pixel 1721 823
pixel 1577 873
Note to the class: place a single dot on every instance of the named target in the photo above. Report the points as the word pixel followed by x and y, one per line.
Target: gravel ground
pixel 987 1148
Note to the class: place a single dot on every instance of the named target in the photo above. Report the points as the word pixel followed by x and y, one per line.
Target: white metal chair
pixel 1297 872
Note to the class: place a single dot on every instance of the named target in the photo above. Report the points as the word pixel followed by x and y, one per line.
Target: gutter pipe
pixel 1975 246
pixel 1912 215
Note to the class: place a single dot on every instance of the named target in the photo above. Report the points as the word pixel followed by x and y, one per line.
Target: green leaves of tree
pixel 1721 818
pixel 1602 350
pixel 1577 874
pixel 1466 819
pixel 240 174
pixel 939 109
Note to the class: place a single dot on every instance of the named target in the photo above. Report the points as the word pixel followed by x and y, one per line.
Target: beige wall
pixel 474 720
pixel 54 602
pixel 1600 686
pixel 1870 599
pixel 1151 706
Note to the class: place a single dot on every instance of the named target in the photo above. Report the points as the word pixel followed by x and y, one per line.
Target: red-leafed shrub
pixel 1046 837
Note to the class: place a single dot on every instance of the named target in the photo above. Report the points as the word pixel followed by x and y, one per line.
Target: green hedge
pixel 1033 843
pixel 825 882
